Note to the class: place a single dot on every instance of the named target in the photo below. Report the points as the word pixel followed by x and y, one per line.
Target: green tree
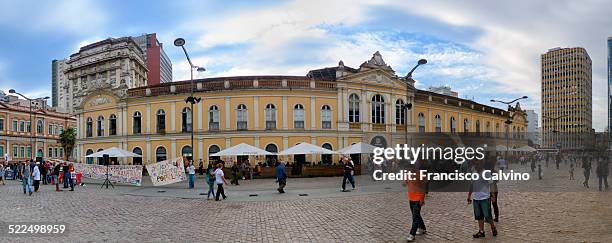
pixel 68 139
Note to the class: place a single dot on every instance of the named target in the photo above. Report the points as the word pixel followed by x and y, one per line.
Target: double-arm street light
pixel 12 91
pixel 509 120
pixel 180 42
pixel 407 106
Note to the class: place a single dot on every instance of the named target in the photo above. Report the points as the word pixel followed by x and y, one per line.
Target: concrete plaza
pixel 254 211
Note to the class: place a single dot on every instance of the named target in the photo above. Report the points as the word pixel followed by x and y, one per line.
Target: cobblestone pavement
pixel 377 213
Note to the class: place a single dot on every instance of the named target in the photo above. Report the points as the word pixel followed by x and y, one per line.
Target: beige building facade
pixel 331 107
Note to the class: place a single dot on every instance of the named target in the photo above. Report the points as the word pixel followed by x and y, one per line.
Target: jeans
pixel 282 182
pixel 211 190
pixel 36 185
pixel 191 181
pixel 494 204
pixel 26 182
pixel 603 180
pixel 220 191
pixel 417 220
pixel 347 175
pixel 66 179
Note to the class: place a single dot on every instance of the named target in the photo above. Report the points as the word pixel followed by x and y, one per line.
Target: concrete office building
pixel 61 94
pixel 533 129
pixel 566 97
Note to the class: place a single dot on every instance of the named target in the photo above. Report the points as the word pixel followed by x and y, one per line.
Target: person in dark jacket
pixel 281 177
pixel 349 167
pixel 56 173
pixel 602 172
pixel 235 170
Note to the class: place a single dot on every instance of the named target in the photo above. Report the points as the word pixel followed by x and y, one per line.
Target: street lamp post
pixel 12 91
pixel 191 99
pixel 407 106
pixel 509 120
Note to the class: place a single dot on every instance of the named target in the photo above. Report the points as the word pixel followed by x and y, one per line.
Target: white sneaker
pixel 410 238
pixel 421 231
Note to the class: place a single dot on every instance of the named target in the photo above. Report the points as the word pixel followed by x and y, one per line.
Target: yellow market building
pixel 331 107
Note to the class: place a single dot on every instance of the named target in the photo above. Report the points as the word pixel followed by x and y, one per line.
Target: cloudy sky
pixel 482 49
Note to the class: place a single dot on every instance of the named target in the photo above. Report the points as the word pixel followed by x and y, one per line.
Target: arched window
pixel 326 159
pixel 39 127
pixel 187 153
pixel 136 126
pixel 161 121
pixel 211 150
pixel 378 109
pixel 353 108
pixel 100 126
pixel 400 112
pixel 213 118
pixel 112 125
pixel 466 125
pixel 270 116
pixel 477 127
pixel 326 117
pixel 241 117
pixel 298 116
pixel 453 125
pixel 137 160
pixel 89 160
pixel 488 129
pixel 89 131
pixel 271 159
pixel 160 154
pixel 186 121
pixel 100 159
pixel 438 123
pixel 421 122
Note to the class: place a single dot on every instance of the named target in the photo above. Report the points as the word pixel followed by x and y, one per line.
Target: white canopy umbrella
pixel 358 148
pixel 525 148
pixel 113 152
pixel 306 148
pixel 242 149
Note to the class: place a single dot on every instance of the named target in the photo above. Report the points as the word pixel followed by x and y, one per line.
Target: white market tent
pixel 113 152
pixel 306 148
pixel 525 148
pixel 242 149
pixel 358 148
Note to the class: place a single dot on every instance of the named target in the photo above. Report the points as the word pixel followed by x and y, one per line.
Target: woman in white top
pixel 220 180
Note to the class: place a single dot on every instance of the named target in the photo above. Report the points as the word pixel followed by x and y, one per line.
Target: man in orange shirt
pixel 416 198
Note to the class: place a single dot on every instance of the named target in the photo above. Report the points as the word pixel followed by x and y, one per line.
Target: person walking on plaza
pixel 56 173
pixel 533 165
pixel 602 172
pixel 558 160
pixel 201 167
pixel 348 174
pixel 480 195
pixel 210 180
pixel 191 171
pixel 36 176
pixel 71 176
pixel 43 172
pixel 281 176
pixel 540 173
pixel 66 171
pixel 571 171
pixel 416 199
pixel 586 165
pixel 220 180
pixel 26 178
pixel 2 169
pixel 235 170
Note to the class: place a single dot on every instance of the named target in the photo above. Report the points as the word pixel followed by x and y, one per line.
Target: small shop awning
pixel 306 148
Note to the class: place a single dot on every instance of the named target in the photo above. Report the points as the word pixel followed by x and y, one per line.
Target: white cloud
pixel 76 17
pixel 511 37
pixel 515 33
